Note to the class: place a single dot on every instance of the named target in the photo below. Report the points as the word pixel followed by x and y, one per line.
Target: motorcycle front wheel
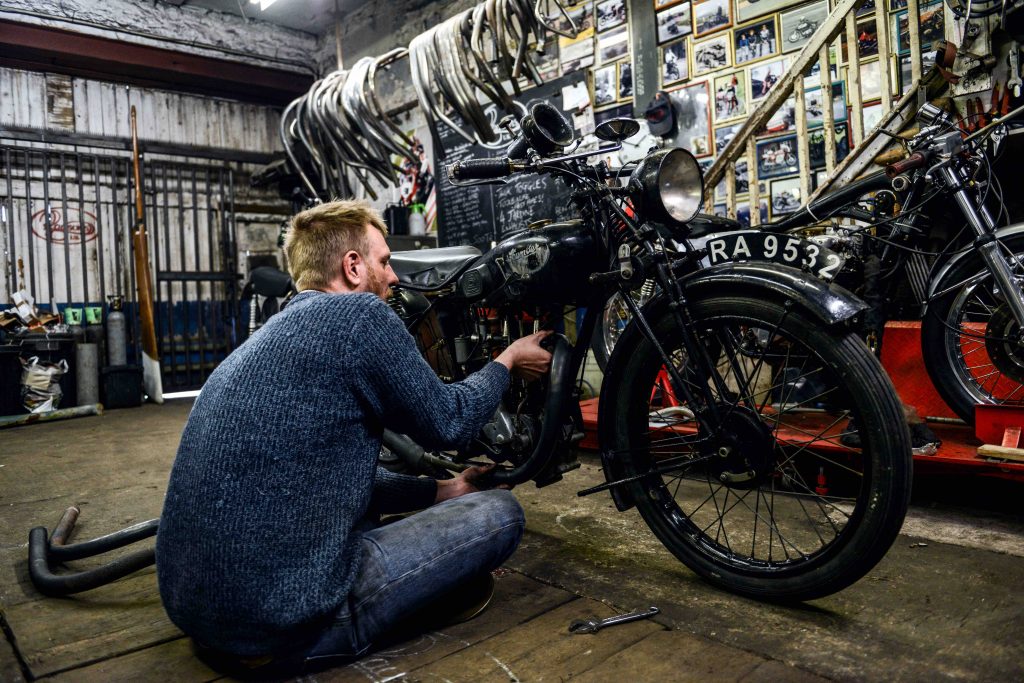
pixel 801 486
pixel 970 340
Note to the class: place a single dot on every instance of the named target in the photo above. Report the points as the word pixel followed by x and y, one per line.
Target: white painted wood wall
pixel 102 108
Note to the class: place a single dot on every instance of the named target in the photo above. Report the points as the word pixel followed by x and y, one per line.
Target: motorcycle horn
pixel 544 129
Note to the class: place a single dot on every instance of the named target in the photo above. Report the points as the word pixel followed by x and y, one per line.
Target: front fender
pixel 830 304
pixel 962 260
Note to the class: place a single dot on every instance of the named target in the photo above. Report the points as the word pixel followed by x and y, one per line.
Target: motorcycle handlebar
pixel 479 169
pixel 915 160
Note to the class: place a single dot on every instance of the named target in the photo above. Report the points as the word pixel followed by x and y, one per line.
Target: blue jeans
pixel 410 562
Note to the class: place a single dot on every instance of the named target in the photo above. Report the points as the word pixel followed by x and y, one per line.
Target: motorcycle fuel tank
pixel 547 264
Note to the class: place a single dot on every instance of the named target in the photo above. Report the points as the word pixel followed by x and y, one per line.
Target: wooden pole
pixel 143 280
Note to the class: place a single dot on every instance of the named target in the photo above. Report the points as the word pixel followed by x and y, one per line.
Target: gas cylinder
pixel 116 332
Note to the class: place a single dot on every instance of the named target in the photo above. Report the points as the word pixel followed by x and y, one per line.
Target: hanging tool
pixel 593 624
pixel 144 285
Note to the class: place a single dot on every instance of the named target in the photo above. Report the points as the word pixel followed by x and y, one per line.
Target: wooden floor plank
pixel 10 669
pixel 173 661
pixel 540 649
pixel 517 599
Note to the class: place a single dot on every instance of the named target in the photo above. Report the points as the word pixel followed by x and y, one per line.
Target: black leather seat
pixel 431 267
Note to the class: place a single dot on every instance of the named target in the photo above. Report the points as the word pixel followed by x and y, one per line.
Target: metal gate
pixel 66 220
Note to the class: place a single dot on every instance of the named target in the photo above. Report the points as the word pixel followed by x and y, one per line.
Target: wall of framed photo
pixel 719 58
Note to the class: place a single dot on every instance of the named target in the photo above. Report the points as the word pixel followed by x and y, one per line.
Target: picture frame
pixel 674 62
pixel 675 22
pixel 743 212
pixel 613 112
pixel 730 96
pixel 816 145
pixel 870 80
pixel 724 134
pixel 663 4
pixel 693 118
pixel 710 16
pixel 815 112
pixel 751 9
pixel 576 53
pixel 612 45
pixel 610 14
pixel 796 26
pixel 782 121
pixel 712 54
pixel 813 77
pixel 871 114
pixel 624 80
pixel 582 14
pixel 605 85
pixel 867 40
pixel 742 185
pixel 867 8
pixel 777 156
pixel 764 76
pixel 755 41
pixel 931 29
pixel 785 196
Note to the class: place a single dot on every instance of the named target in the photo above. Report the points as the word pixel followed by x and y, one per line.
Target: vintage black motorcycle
pixel 724 403
pixel 926 245
pixel 724 400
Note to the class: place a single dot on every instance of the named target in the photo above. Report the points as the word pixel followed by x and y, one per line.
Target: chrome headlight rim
pixel 651 178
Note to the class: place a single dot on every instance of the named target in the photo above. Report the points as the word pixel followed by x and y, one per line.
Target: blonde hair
pixel 319 237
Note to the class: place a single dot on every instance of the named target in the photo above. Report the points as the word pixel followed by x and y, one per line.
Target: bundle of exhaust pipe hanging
pixel 338 137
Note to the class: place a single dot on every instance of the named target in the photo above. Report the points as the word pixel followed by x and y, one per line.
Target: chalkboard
pixel 484 214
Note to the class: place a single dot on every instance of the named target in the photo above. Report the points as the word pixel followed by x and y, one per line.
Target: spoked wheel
pixel 971 343
pixel 614 319
pixel 778 499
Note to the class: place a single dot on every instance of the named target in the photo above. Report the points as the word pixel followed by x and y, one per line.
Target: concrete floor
pixel 943 605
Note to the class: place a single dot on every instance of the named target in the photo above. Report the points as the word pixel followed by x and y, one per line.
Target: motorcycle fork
pixel 696 354
pixel 985 242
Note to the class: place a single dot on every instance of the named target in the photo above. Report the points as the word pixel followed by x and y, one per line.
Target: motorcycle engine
pixel 508 437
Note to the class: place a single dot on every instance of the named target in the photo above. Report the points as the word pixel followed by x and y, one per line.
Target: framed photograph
pixel 548 67
pixel 871 113
pixel 755 41
pixel 674 23
pixel 764 76
pixel 610 13
pixel 674 65
pixel 662 4
pixel 742 186
pixel 785 194
pixel 618 112
pixel 777 157
pixel 724 135
pixel 576 53
pixel 816 107
pixel 743 212
pixel 750 9
pixel 867 39
pixel 870 80
pixel 710 16
pixel 730 96
pixel 867 8
pixel 796 26
pixel 782 121
pixel 813 78
pixel 581 14
pixel 712 54
pixel 816 145
pixel 604 85
pixel 705 164
pixel 897 4
pixel 906 76
pixel 613 44
pixel 625 80
pixel 693 118
pixel 930 27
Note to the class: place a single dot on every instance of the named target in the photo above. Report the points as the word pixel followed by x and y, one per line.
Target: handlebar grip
pixel 915 160
pixel 479 169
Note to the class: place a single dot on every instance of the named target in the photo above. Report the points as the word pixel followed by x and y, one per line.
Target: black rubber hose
pixel 56 585
pixel 118 539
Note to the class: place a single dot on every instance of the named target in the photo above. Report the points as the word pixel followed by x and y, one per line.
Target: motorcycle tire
pixel 966 341
pixel 806 522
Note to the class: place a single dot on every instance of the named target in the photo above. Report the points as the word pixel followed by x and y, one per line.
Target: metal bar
pixel 853 79
pixel 884 53
pixel 99 232
pixel 129 221
pixel 210 238
pixel 153 234
pixel 170 376
pixel 49 232
pixel 233 262
pixel 187 332
pixel 10 270
pixel 118 274
pixel 199 290
pixel 28 224
pixel 67 240
pixel 81 229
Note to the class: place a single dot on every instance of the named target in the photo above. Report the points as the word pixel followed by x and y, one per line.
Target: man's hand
pixel 526 358
pixel 464 483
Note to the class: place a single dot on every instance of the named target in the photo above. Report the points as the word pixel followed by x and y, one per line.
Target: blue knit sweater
pixel 277 464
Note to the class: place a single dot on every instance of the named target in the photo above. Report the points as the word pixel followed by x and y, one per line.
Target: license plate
pixel 754 245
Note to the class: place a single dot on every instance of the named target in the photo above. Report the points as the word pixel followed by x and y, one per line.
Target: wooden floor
pixel 931 611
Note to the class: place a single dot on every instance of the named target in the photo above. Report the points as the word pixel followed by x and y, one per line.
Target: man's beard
pixel 377 285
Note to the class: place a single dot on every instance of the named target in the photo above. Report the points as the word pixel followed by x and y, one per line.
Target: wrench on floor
pixel 593 624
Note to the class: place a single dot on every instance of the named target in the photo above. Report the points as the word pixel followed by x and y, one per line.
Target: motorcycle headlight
pixel 668 186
